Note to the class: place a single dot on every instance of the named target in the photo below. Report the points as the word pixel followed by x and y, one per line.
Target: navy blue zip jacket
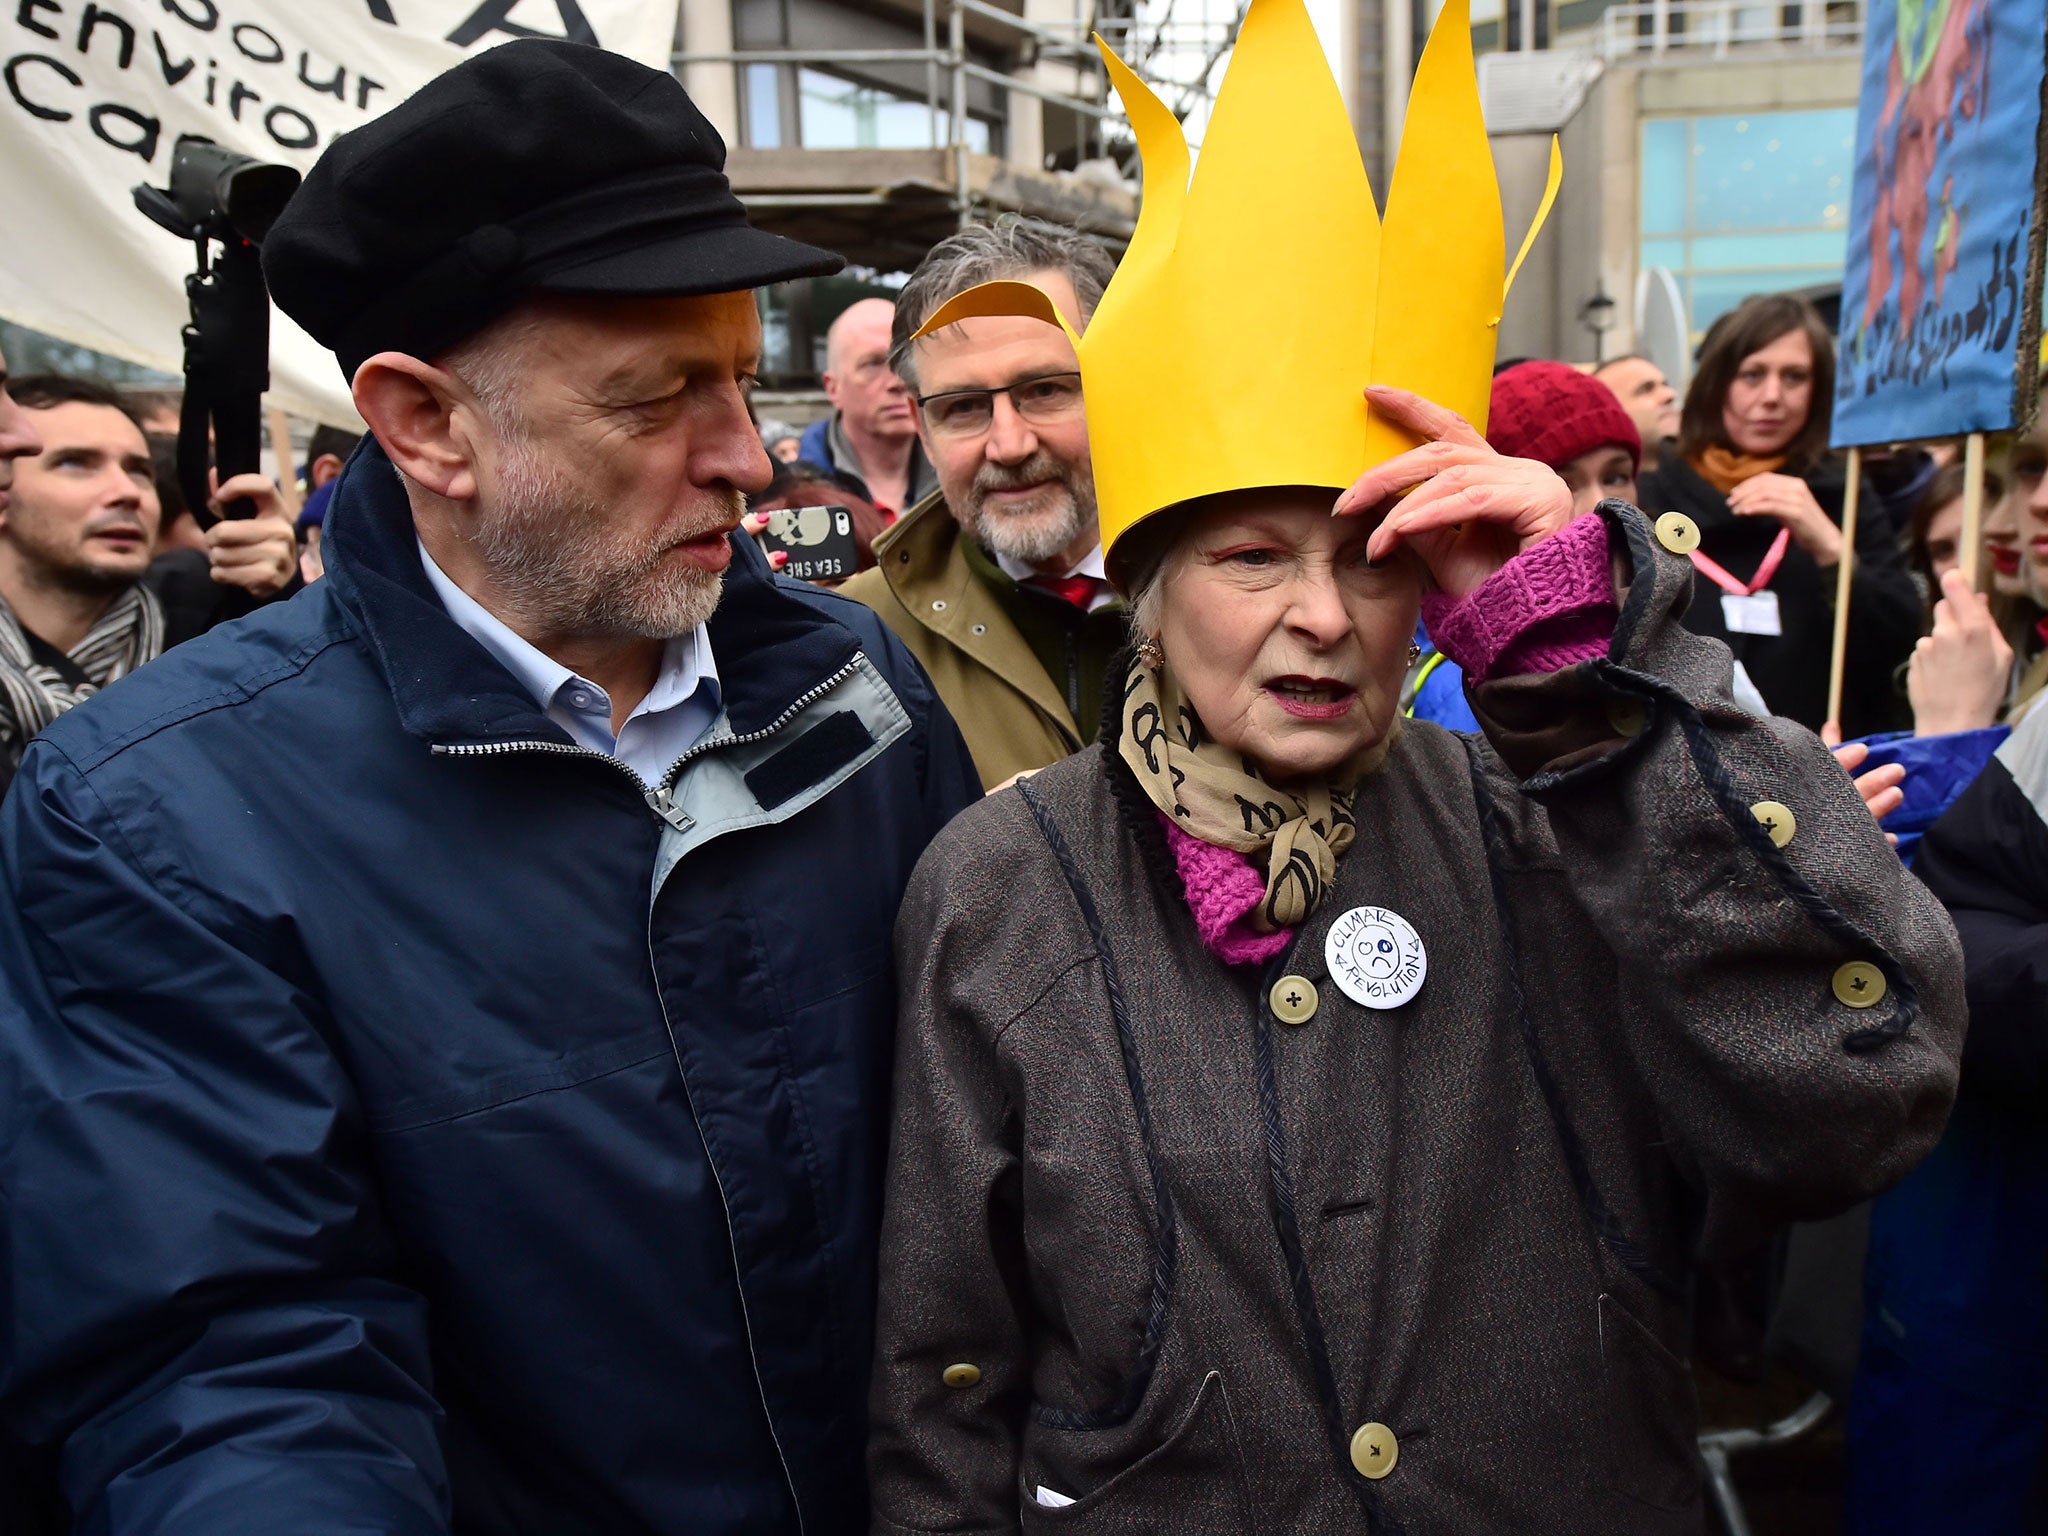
pixel 411 1121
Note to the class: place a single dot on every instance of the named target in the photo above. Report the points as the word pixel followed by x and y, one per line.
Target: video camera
pixel 220 198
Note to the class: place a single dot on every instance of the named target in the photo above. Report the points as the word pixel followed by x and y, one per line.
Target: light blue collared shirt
pixel 681 706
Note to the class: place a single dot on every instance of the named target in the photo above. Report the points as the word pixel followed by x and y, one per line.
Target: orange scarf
pixel 1724 468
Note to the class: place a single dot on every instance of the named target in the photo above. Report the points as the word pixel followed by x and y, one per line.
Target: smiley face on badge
pixel 1376 957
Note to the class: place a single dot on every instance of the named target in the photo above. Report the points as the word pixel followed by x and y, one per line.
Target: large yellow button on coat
pixel 1294 999
pixel 960 1377
pixel 1678 533
pixel 1628 716
pixel 1859 984
pixel 1374 1450
pixel 1777 821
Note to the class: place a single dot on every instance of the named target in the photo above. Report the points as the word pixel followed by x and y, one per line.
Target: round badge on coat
pixel 1376 957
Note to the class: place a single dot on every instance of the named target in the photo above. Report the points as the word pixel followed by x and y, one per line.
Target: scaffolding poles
pixel 951 71
pixel 963 188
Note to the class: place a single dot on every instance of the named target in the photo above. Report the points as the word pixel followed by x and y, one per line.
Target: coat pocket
pixel 1191 1484
pixel 1651 1413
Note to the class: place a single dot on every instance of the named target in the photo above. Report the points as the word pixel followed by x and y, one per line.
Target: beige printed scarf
pixel 1220 797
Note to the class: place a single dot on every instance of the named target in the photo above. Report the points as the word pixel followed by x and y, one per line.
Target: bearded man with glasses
pixel 995 582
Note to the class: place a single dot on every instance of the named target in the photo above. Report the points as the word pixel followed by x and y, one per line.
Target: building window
pixel 844 114
pixel 1746 203
pixel 764 107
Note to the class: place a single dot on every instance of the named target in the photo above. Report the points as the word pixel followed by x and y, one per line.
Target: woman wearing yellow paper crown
pixel 1305 1125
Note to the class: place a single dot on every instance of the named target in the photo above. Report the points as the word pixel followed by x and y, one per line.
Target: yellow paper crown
pixel 1234 344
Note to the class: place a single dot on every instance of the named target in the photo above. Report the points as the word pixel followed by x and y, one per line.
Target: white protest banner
pixel 94 94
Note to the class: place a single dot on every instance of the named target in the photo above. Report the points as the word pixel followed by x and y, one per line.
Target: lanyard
pixel 1715 572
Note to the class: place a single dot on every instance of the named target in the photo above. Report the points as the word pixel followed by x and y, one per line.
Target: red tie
pixel 1078 590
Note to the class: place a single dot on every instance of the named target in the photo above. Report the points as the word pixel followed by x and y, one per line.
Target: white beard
pixel 564 570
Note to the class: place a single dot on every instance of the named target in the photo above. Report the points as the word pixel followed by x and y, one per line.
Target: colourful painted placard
pixel 1937 336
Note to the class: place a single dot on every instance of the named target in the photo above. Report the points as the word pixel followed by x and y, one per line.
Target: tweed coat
pixel 1155 1251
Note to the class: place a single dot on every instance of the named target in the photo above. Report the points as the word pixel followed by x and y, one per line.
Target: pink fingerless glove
pixel 1548 608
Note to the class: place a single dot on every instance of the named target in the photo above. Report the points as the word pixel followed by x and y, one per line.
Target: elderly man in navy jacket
pixel 445 1019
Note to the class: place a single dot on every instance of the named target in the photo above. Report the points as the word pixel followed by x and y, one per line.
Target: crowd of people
pixel 1121 1015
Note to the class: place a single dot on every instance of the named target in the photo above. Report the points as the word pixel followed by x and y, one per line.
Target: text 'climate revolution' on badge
pixel 1376 957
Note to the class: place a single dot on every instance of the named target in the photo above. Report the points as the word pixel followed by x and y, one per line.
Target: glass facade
pixel 843 114
pixel 1746 203
pixel 764 106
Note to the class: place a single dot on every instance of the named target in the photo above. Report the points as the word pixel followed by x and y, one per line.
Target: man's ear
pixel 424 419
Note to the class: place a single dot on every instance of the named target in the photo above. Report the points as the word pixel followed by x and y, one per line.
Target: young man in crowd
pixel 18 436
pixel 997 583
pixel 871 434
pixel 449 1013
pixel 1652 404
pixel 85 596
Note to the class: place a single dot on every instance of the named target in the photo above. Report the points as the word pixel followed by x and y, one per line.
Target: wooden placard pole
pixel 281 447
pixel 1971 550
pixel 1845 573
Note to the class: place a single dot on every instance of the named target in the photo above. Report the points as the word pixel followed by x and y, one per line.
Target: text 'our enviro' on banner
pixel 94 94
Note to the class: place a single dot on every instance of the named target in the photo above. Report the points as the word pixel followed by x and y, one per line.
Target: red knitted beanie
pixel 1552 413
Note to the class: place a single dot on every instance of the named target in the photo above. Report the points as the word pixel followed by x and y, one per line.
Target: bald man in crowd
pixel 1648 397
pixel 871 434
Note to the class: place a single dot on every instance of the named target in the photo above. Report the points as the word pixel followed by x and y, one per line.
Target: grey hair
pixel 492 362
pixel 1011 247
pixel 1148 599
pixel 1153 554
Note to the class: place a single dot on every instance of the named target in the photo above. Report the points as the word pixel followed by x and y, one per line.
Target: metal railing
pixel 1727 28
pixel 952 63
pixel 1178 55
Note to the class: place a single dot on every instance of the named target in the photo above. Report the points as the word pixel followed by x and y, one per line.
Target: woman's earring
pixel 1150 656
pixel 1414 654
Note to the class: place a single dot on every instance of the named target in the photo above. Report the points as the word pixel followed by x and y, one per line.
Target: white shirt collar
pixel 1018 570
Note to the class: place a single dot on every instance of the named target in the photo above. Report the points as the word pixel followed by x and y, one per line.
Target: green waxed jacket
pixel 1013 713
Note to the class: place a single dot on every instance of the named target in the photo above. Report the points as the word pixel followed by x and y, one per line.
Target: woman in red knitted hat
pixel 1558 416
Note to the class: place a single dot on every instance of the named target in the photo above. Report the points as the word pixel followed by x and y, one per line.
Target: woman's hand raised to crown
pixel 1471 511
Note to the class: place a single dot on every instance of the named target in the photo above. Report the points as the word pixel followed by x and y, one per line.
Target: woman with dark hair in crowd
pixel 1753 473
pixel 1959 677
pixel 1934 525
pixel 800 484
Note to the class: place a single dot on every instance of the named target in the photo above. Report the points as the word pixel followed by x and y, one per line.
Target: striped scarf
pixel 32 694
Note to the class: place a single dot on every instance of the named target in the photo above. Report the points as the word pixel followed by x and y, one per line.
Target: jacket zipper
pixel 657 799
pixel 660 798
pixel 661 801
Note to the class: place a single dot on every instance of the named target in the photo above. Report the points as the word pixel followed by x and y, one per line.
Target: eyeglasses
pixel 969 412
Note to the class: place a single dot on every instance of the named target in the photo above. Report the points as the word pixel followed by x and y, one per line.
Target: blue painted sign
pixel 1941 221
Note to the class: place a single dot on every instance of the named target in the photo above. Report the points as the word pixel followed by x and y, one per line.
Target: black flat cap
pixel 537 165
